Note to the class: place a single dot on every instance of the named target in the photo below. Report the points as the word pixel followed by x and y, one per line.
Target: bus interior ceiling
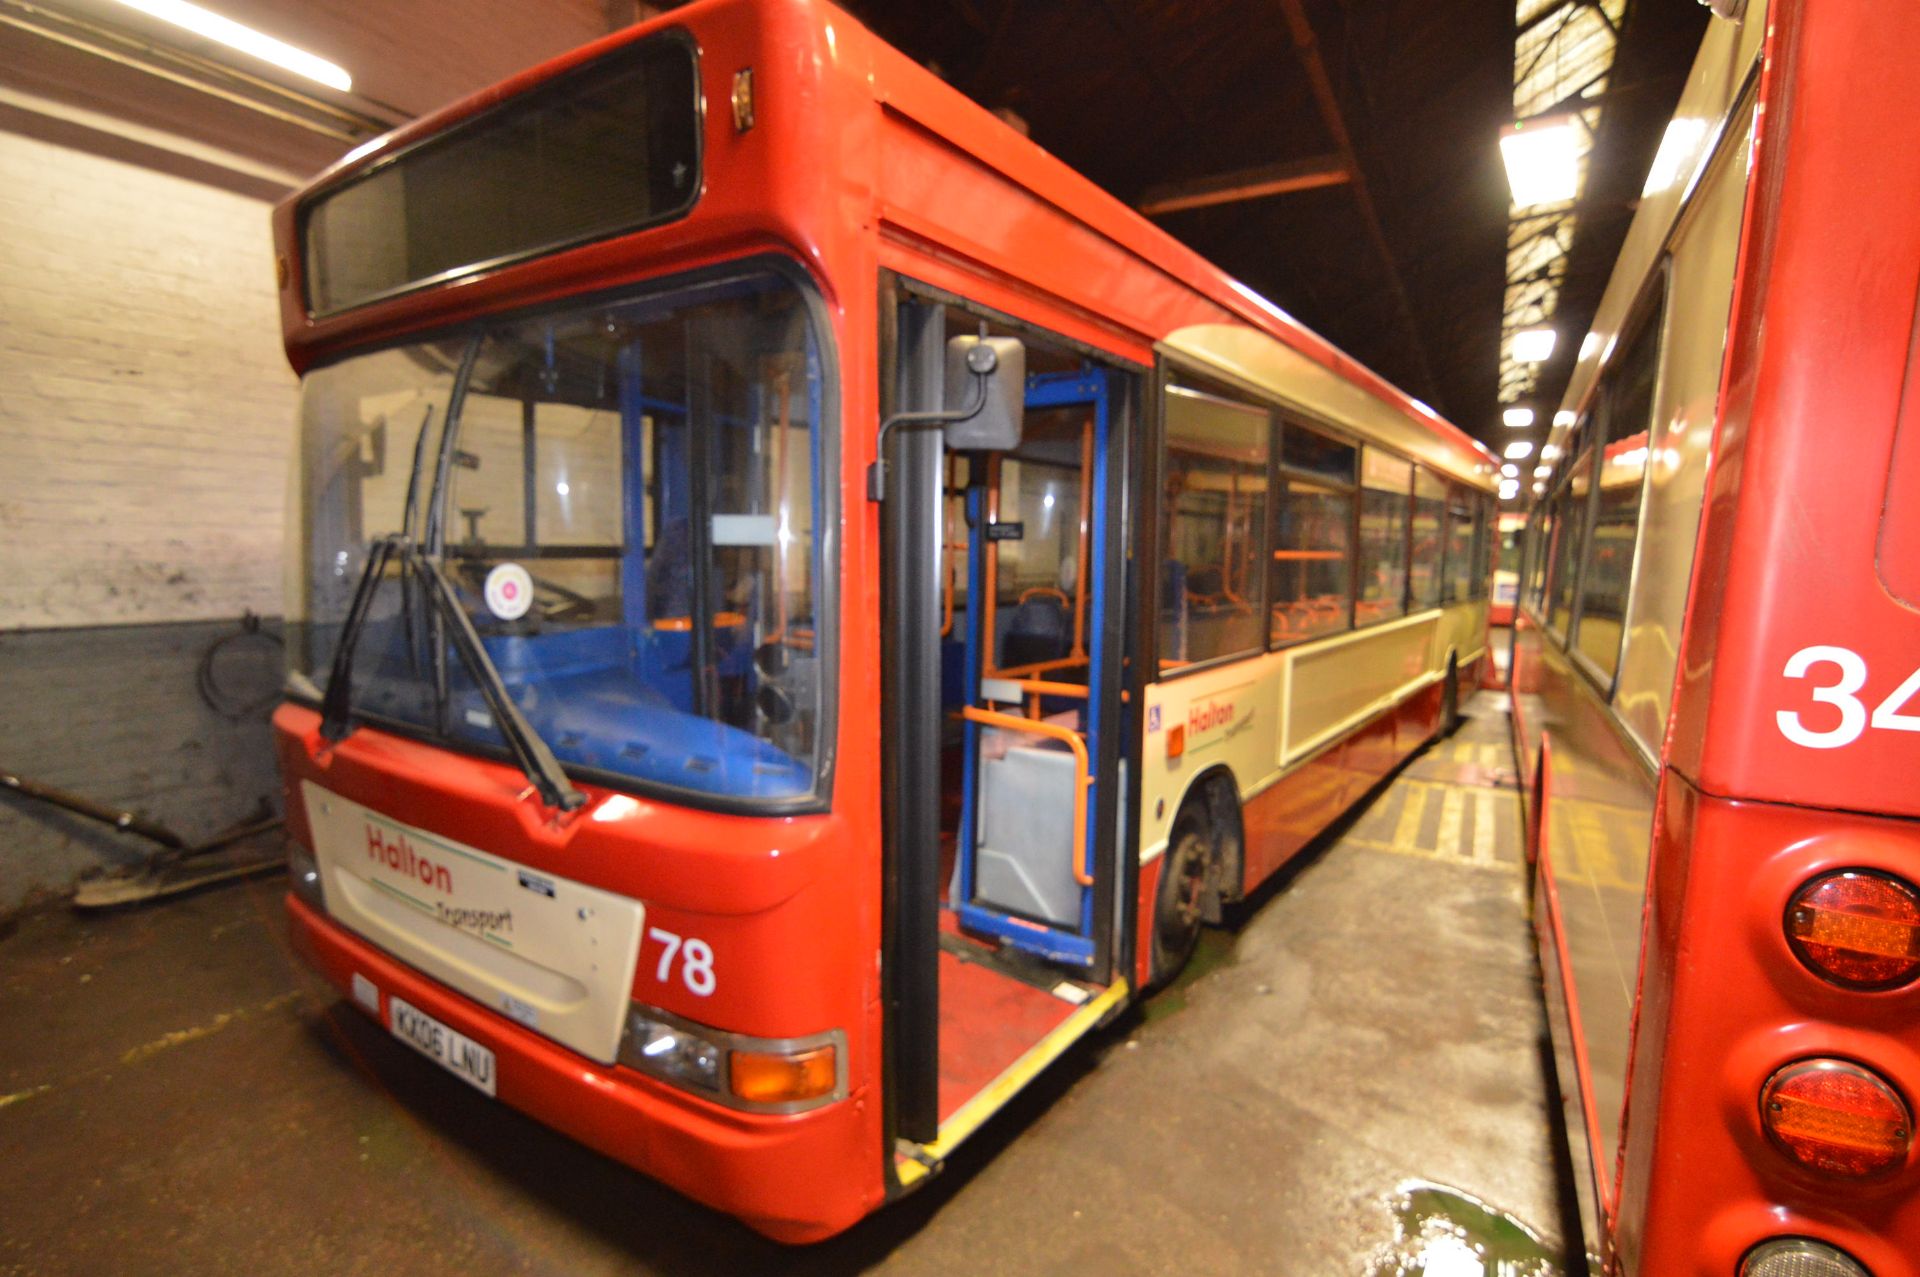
pixel 1335 157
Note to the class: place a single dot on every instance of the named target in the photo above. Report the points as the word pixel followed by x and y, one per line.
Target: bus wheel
pixel 1450 702
pixel 1177 902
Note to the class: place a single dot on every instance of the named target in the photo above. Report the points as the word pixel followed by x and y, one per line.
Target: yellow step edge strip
pixel 969 1117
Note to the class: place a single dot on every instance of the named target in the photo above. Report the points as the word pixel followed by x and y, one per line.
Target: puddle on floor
pixel 1444 1233
pixel 1213 951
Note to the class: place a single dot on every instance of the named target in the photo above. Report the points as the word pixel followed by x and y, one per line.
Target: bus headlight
pixel 303 877
pixel 671 1052
pixel 763 1075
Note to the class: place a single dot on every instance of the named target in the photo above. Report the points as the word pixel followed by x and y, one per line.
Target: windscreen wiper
pixel 530 752
pixel 535 759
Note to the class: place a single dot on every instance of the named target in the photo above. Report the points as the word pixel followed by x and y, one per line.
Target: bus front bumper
pixel 795 1178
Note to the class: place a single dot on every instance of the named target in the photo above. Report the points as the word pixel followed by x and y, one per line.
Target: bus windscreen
pixel 609 148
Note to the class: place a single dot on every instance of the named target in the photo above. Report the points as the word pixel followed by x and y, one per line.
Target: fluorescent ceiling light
pixel 1517 450
pixel 1549 451
pixel 1588 345
pixel 1541 472
pixel 1533 345
pixel 230 33
pixel 1539 489
pixel 1509 471
pixel 1563 418
pixel 1543 161
pixel 1517 418
pixel 1679 152
pixel 1510 489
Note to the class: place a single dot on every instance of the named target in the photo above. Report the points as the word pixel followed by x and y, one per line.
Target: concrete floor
pixel 176 1096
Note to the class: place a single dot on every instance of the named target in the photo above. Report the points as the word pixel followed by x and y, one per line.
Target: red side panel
pixel 1824 322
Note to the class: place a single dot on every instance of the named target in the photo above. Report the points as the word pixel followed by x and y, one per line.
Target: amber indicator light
pixel 766 1078
pixel 1857 929
pixel 1836 1118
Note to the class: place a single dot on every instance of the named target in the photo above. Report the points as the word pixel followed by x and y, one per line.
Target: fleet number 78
pixel 1842 692
pixel 696 961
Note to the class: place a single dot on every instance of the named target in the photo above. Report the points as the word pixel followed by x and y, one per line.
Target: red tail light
pixel 1860 930
pixel 1836 1118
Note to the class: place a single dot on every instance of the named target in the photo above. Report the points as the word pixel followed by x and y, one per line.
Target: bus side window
pixel 1311 566
pixel 1429 533
pixel 1571 525
pixel 1386 490
pixel 1215 475
pixel 1616 521
pixel 1463 558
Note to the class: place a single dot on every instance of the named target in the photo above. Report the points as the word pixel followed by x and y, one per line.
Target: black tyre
pixel 1176 902
pixel 1450 702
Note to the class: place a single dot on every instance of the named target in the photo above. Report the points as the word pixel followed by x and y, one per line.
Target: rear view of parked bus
pixel 809 604
pixel 1715 676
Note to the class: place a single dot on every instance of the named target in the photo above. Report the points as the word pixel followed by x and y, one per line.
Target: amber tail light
pixel 1836 1118
pixel 1856 929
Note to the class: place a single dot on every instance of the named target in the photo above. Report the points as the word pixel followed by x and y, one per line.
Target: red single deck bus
pixel 765 816
pixel 1715 673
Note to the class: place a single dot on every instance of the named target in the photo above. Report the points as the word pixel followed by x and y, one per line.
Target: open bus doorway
pixel 1003 889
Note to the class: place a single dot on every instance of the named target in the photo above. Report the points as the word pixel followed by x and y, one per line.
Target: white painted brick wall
pixel 146 409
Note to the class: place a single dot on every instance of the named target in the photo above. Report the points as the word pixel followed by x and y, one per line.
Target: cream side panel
pixel 1340 683
pixel 1230 715
pixel 1264 714
pixel 1704 256
pixel 1463 628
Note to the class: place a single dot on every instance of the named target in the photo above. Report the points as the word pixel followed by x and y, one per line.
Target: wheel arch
pixel 1217 790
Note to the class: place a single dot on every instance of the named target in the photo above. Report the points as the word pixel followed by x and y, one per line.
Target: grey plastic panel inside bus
pixel 1025 859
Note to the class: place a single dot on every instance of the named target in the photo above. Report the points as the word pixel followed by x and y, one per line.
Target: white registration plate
pixel 457 1054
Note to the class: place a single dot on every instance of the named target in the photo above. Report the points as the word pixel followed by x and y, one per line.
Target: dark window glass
pixel 1566 558
pixel 1216 537
pixel 1616 520
pixel 1466 563
pixel 1312 567
pixel 608 148
pixel 1385 491
pixel 1315 453
pixel 1429 537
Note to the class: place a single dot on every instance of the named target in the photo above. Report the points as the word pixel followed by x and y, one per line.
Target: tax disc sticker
pixel 509 591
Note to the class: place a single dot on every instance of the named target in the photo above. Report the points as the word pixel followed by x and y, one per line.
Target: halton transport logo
pixel 399 856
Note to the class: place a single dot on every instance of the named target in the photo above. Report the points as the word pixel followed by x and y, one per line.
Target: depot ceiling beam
pixel 1245 184
pixel 1307 48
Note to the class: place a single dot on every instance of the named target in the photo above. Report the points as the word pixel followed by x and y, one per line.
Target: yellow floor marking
pixel 1483 818
pixel 1412 812
pixel 1420 853
pixel 27 1094
pixel 1453 810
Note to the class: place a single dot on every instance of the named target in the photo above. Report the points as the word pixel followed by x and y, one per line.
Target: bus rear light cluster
pixel 1799 1257
pixel 1836 1118
pixel 1859 930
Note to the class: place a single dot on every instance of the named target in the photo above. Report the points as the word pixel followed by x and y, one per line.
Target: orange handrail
pixel 1082 773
